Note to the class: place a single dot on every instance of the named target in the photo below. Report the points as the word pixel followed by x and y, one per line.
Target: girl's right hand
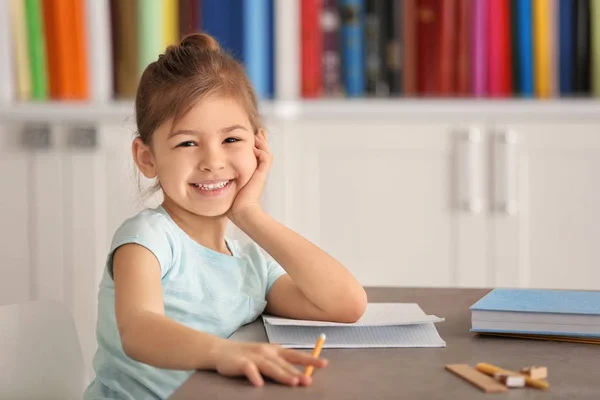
pixel 256 359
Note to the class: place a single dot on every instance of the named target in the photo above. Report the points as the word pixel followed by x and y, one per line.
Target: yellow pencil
pixel 491 369
pixel 317 350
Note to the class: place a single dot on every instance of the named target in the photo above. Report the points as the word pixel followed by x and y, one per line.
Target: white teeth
pixel 212 186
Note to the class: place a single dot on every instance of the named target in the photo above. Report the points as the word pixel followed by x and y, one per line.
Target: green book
pixel 37 49
pixel 150 37
pixel 595 27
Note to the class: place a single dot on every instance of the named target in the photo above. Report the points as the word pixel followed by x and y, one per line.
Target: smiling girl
pixel 175 288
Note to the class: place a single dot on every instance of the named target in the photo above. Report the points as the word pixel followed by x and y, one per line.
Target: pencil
pixel 491 370
pixel 317 350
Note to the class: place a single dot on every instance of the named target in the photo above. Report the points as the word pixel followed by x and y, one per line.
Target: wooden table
pixel 418 373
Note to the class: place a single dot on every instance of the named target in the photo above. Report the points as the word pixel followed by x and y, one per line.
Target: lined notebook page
pixel 421 335
pixel 382 325
pixel 376 314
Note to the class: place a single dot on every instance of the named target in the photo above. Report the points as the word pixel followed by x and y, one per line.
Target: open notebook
pixel 382 325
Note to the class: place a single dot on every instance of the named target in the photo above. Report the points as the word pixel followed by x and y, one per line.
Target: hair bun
pixel 201 41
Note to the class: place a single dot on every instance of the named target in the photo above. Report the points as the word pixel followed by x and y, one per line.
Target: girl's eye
pixel 186 144
pixel 231 140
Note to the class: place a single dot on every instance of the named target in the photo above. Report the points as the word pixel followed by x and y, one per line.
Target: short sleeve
pixel 274 271
pixel 149 230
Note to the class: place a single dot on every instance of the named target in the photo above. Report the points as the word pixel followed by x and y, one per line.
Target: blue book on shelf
pixel 256 45
pixel 224 19
pixel 538 312
pixel 525 46
pixel 353 54
pixel 566 40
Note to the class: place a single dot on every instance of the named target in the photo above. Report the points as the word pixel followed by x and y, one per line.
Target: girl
pixel 174 288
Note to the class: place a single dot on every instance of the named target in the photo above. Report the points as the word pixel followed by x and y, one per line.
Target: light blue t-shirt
pixel 203 289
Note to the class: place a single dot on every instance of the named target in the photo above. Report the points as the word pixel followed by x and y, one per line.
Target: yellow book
pixel 595 28
pixel 541 45
pixel 170 22
pixel 21 50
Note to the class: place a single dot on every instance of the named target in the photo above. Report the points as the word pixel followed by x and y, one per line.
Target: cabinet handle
pixel 470 180
pixel 505 188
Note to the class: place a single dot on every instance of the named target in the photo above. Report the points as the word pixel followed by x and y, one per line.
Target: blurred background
pixel 422 142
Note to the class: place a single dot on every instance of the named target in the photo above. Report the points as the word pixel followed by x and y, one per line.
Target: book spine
pixel 37 49
pixel 479 40
pixel 256 42
pixel 353 60
pixel 428 41
pixel 170 22
pixel 409 49
pixel 595 39
pixel 541 29
pixel 582 47
pixel 375 45
pixel 311 47
pixel 393 49
pixel 566 46
pixel 331 63
pixel 99 55
pixel 150 32
pixel 80 51
pixel 287 46
pixel 525 50
pixel 447 48
pixel 7 70
pixel 463 53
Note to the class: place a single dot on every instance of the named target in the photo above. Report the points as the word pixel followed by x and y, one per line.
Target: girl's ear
pixel 143 158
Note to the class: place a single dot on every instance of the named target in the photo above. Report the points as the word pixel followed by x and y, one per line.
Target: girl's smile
pixel 213 188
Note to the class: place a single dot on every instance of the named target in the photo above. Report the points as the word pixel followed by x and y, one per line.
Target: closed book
pixel 331 63
pixel 311 45
pixel 428 40
pixel 542 43
pixel 409 48
pixel 394 44
pixel 569 313
pixel 463 48
pixel 375 44
pixel 353 59
pixel 36 44
pixel 566 39
pixel 582 48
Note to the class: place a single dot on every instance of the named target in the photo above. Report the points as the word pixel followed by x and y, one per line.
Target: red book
pixel 311 47
pixel 499 49
pixel 428 38
pixel 463 48
pixel 448 48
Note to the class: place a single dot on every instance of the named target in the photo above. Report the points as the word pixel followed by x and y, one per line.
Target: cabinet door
pixel 382 198
pixel 17 283
pixel 546 218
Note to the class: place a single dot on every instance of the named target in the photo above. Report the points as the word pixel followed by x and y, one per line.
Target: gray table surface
pixel 418 373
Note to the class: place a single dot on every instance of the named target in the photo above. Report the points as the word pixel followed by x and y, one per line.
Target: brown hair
pixel 188 72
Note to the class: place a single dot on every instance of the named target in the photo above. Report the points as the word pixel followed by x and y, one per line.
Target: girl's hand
pixel 256 359
pixel 249 195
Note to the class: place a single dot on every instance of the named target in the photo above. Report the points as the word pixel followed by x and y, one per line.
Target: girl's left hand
pixel 249 196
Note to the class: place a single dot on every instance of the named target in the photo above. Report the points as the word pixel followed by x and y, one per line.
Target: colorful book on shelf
pixel 311 48
pixel 542 42
pixel 595 45
pixel 536 313
pixel 393 46
pixel 566 38
pixel 524 52
pixel 37 49
pixel 256 44
pixel 479 59
pixel 447 47
pixel 463 48
pixel 125 47
pixel 582 47
pixel 409 48
pixel 498 49
pixel 352 46
pixel 375 44
pixel 331 63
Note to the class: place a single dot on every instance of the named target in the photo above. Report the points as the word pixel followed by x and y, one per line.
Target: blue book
pixel 525 46
pixel 353 54
pixel 538 312
pixel 256 45
pixel 224 20
pixel 566 51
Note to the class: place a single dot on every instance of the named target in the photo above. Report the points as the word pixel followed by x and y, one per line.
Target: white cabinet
pixel 380 196
pixel 551 236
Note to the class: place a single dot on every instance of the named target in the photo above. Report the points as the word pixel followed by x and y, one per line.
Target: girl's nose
pixel 212 160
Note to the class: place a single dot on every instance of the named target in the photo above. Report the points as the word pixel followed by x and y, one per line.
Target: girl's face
pixel 204 160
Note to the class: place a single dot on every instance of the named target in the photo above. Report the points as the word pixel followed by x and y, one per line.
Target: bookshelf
pixel 367 109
